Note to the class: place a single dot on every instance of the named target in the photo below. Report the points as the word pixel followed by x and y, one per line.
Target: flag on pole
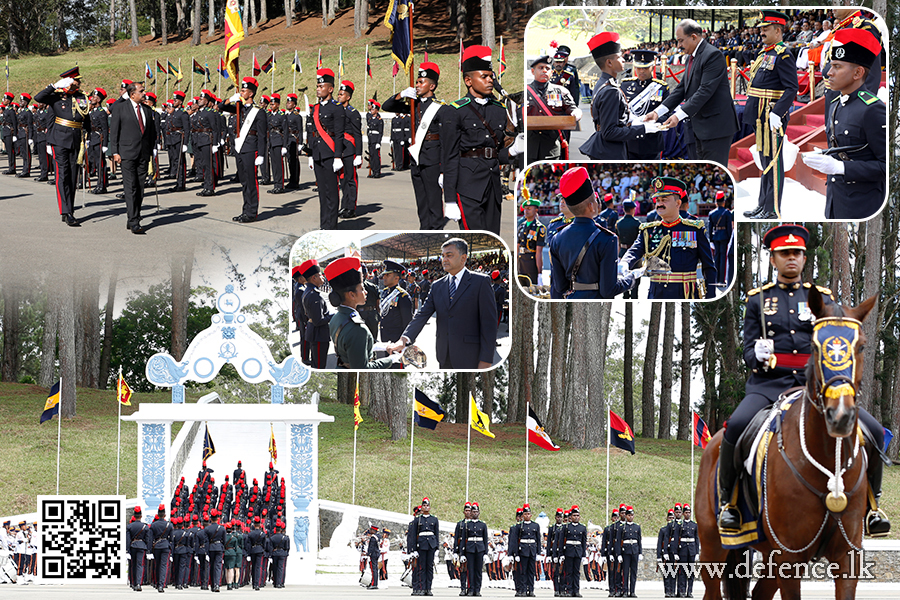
pixel 160 68
pixel 480 422
pixel 269 65
pixel 148 72
pixel 369 64
pixel 234 34
pixel 396 19
pixel 173 70
pixel 426 51
pixel 428 412
pixel 208 447
pixel 7 67
pixel 701 432
pixel 564 23
pixel 256 68
pixel 341 62
pixel 197 67
pixel 319 63
pixel 273 451
pixel 295 66
pixel 536 433
pixel 620 434
pixel 357 418
pixel 51 407
pixel 222 70
pixel 502 58
pixel 459 66
pixel 395 70
pixel 123 391
pixel 888 436
pixel 206 68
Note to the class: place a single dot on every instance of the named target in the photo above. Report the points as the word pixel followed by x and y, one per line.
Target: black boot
pixel 729 516
pixel 877 523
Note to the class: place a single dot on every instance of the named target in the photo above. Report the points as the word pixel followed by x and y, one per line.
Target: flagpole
pixel 180 72
pixel 608 442
pixel 355 427
pixel 469 444
pixel 412 437
pixel 692 464
pixel 459 72
pixel 167 76
pixel 412 80
pixel 294 69
pixel 253 66
pixel 527 412
pixel 500 70
pixel 273 71
pixel 58 431
pixel 192 75
pixel 366 79
pixel 119 439
pixel 219 85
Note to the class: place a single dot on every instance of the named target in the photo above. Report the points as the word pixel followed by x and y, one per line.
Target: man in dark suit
pixel 464 304
pixel 705 93
pixel 132 135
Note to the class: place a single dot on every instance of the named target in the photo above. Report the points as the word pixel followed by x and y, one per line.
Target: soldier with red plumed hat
pixel 325 134
pixel 249 144
pixel 352 157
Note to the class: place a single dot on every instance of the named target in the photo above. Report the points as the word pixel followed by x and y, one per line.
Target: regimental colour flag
pixel 295 66
pixel 536 433
pixel 428 412
pixel 369 64
pixel 51 407
pixel 397 20
pixel 620 434
pixel 160 68
pixel 701 432
pixel 273 451
pixel 173 70
pixel 480 422
pixel 269 65
pixel 198 68
pixel 357 418
pixel 148 72
pixel 234 34
pixel 222 70
pixel 209 448
pixel 123 391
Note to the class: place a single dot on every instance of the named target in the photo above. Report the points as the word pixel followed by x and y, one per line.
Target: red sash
pixel 322 133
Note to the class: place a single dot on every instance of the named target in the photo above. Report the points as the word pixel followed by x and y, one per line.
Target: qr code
pixel 82 539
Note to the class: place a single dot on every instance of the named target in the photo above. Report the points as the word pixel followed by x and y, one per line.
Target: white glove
pixel 357 161
pixel 619 558
pixel 824 164
pixel 64 83
pixel 259 161
pixel 441 180
pixel 15 139
pixel 774 121
pixel 451 211
pixel 665 557
pixel 235 98
pixel 621 268
pixel 651 127
pixel 105 148
pixel 402 143
pixel 462 559
pixel 696 558
pixel 603 560
pixel 248 559
pixel 159 146
pixel 184 148
pixel 639 272
pixel 577 113
pixel 215 148
pixel 454 556
pixel 154 153
pixel 87 143
pixel 49 149
pixel 408 93
pixel 637 121
pixel 31 142
pixel 377 146
pixel 763 349
pixel 640 557
pixel 310 162
pixel 283 151
pixel 556 559
pixel 409 141
pixel 518 146
pixel 540 280
pixel 337 164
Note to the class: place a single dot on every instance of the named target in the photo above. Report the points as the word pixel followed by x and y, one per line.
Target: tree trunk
pixel 595 434
pixel 462 29
pixel 87 334
pixel 48 344
pixel 135 41
pixel 60 31
pixel 684 405
pixel 197 23
pixel 487 24
pixel 253 20
pixel 180 19
pixel 523 359
pixel 665 395
pixel 246 13
pixel 108 327
pixel 872 282
pixel 181 266
pixel 67 403
pixel 12 333
pixel 324 14
pixel 840 264
pixel 263 11
pixel 576 403
pixel 112 21
pixel 288 13
pixel 558 380
pixel 648 406
pixel 541 367
pixel 332 10
pixel 488 380
pixel 164 34
pixel 628 366
pixel 465 385
pixel 211 27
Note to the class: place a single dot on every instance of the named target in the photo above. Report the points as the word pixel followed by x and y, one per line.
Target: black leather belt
pixel 488 153
pixel 431 137
pixel 315 133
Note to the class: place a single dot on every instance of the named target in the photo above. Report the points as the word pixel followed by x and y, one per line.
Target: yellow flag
pixel 357 418
pixel 480 422
pixel 234 34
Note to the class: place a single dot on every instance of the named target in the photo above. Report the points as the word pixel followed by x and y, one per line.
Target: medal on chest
pixel 684 239
pixel 770 306
pixel 803 311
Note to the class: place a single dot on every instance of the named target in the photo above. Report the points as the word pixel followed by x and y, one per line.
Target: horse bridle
pixel 818 393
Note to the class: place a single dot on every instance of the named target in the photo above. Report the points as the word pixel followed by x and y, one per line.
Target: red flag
pixel 701 432
pixel 319 64
pixel 502 60
pixel 536 433
pixel 395 70
pixel 620 434
pixel 368 65
pixel 256 68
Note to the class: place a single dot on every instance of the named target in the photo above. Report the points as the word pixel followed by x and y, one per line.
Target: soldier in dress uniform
pixel 161 542
pixel 150 102
pixel 326 128
pixel 293 141
pixel 352 157
pixel 204 141
pixel 70 109
pixel 607 552
pixel 250 145
pixel 530 242
pixel 425 169
pixel 608 216
pixel 563 219
pixel 474 545
pixel 25 120
pixel 194 556
pixel 566 74
pixel 459 535
pixel 277 124
pixel 632 551
pixel 317 313
pixel 373 554
pixel 257 547
pixel 594 274
pixel 374 135
pixel 202 552
pixel 395 306
pixel 613 123
pixel 547 99
pixel 181 542
pixel 627 229
pixel 423 544
pixel 855 162
pixel 136 543
pixel 552 563
pixel 572 548
pixel 473 133
pixel 281 547
pixel 773 87
pixel 513 546
pixel 527 550
pixel 9 130
pixel 778 329
pixel 680 243
pixel 688 553
pixel 644 93
pixel 663 558
pixel 721 224
pixel 177 134
pixel 98 140
pixel 215 534
pixel 397 143
pixel 300 319
pixel 852 18
pixel 353 341
pixel 43 120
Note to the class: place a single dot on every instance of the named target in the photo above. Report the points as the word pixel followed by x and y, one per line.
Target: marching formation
pixel 18 552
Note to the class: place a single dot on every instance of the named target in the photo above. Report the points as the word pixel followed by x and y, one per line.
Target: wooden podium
pixel 557 123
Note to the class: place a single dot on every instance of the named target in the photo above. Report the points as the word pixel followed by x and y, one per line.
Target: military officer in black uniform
pixel 277 122
pixel 566 74
pixel 855 124
pixel 563 219
pixel 250 145
pixel 721 224
pixel 136 542
pixel 374 135
pixel 594 276
pixel 853 18
pixel 607 552
pixel 215 534
pixel 150 102
pixel 299 316
pixel 177 135
pixel 25 119
pixel 773 87
pixel 43 120
pixel 608 216
pixel 9 130
pixel 688 553
pixel 352 157
pixel 317 312
pixel 425 169
pixel 552 555
pixel 544 98
pixel 528 549
pixel 395 307
pixel 680 243
pixel 280 545
pixel 161 542
pixel 204 141
pixel 631 551
pixel 572 547
pixel 293 141
pixel 663 558
pixel 627 229
pixel 70 108
pixel 613 123
pixel 397 143
pixel 513 540
pixel 326 128
pixel 369 311
pixel 530 242
pixel 424 538
pixel 474 546
pixel 182 542
pixel 473 133
pixel 644 93
pixel 373 554
pixel 265 168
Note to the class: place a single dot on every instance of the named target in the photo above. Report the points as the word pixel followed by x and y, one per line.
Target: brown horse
pixel 801 518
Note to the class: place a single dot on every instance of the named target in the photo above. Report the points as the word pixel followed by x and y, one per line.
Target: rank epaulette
pixel 755 291
pixel 632 78
pixel 461 102
pixel 781 49
pixel 867 97
pixel 661 81
pixel 649 225
pixel 698 223
pixel 822 290
pixel 496 102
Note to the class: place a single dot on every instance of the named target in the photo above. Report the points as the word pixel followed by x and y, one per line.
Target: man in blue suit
pixel 464 304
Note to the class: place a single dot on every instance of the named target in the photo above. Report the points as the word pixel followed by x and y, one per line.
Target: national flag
pixel 428 413
pixel 888 436
pixel 198 68
pixel 502 59
pixel 341 62
pixel 357 418
pixel 160 68
pixel 51 407
pixel 208 447
pixel 479 421
pixel 620 434
pixel 319 62
pixel 256 68
pixel 123 391
pixel 148 72
pixel 369 64
pixel 295 66
pixel 222 70
pixel 564 23
pixel 701 434
pixel 536 433
pixel 273 451
pixel 234 34
pixel 269 65
pixel 173 70
pixel 397 20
